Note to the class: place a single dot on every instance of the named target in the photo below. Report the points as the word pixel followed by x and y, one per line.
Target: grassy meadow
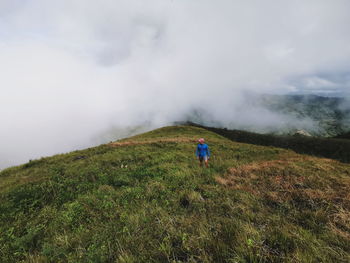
pixel 145 199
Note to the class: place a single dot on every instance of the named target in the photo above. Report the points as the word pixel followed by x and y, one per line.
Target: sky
pixel 72 70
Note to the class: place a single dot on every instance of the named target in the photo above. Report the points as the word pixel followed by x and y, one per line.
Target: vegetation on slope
pixel 337 148
pixel 144 199
pixel 344 136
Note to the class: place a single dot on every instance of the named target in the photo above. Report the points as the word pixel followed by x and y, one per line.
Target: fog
pixel 78 73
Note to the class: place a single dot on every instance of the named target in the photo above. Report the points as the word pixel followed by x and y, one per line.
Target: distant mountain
pixel 282 115
pixel 332 115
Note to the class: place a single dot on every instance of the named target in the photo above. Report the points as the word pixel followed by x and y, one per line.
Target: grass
pixel 145 199
pixel 337 148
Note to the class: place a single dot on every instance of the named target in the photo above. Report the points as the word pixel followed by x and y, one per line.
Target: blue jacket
pixel 202 150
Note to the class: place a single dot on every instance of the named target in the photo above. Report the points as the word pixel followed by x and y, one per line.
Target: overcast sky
pixel 72 69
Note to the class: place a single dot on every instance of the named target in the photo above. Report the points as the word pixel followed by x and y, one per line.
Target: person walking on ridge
pixel 202 152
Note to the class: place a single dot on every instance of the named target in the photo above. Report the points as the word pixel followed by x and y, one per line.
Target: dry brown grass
pixel 284 179
pixel 158 140
pixel 340 222
pixel 303 182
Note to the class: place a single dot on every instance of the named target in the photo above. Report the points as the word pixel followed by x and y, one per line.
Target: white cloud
pixel 72 69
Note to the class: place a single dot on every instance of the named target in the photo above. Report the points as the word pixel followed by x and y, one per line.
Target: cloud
pixel 73 69
pixel 326 83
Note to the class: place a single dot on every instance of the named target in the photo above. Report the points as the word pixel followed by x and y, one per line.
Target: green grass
pixel 145 199
pixel 337 148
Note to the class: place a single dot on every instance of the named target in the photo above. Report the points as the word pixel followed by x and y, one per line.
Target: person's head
pixel 201 140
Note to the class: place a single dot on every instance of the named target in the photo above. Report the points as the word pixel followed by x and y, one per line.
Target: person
pixel 202 152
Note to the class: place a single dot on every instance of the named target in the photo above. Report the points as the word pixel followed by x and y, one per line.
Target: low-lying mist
pixel 76 74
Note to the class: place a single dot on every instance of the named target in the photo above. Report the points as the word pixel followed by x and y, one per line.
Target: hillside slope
pixel 144 199
pixel 344 136
pixel 337 148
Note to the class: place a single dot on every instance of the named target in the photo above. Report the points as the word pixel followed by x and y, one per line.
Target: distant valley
pixel 311 114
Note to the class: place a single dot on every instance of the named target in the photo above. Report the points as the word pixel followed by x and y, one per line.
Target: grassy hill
pixel 337 148
pixel 144 199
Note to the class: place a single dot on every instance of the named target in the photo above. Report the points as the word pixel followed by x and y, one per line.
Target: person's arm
pixel 197 151
pixel 208 152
